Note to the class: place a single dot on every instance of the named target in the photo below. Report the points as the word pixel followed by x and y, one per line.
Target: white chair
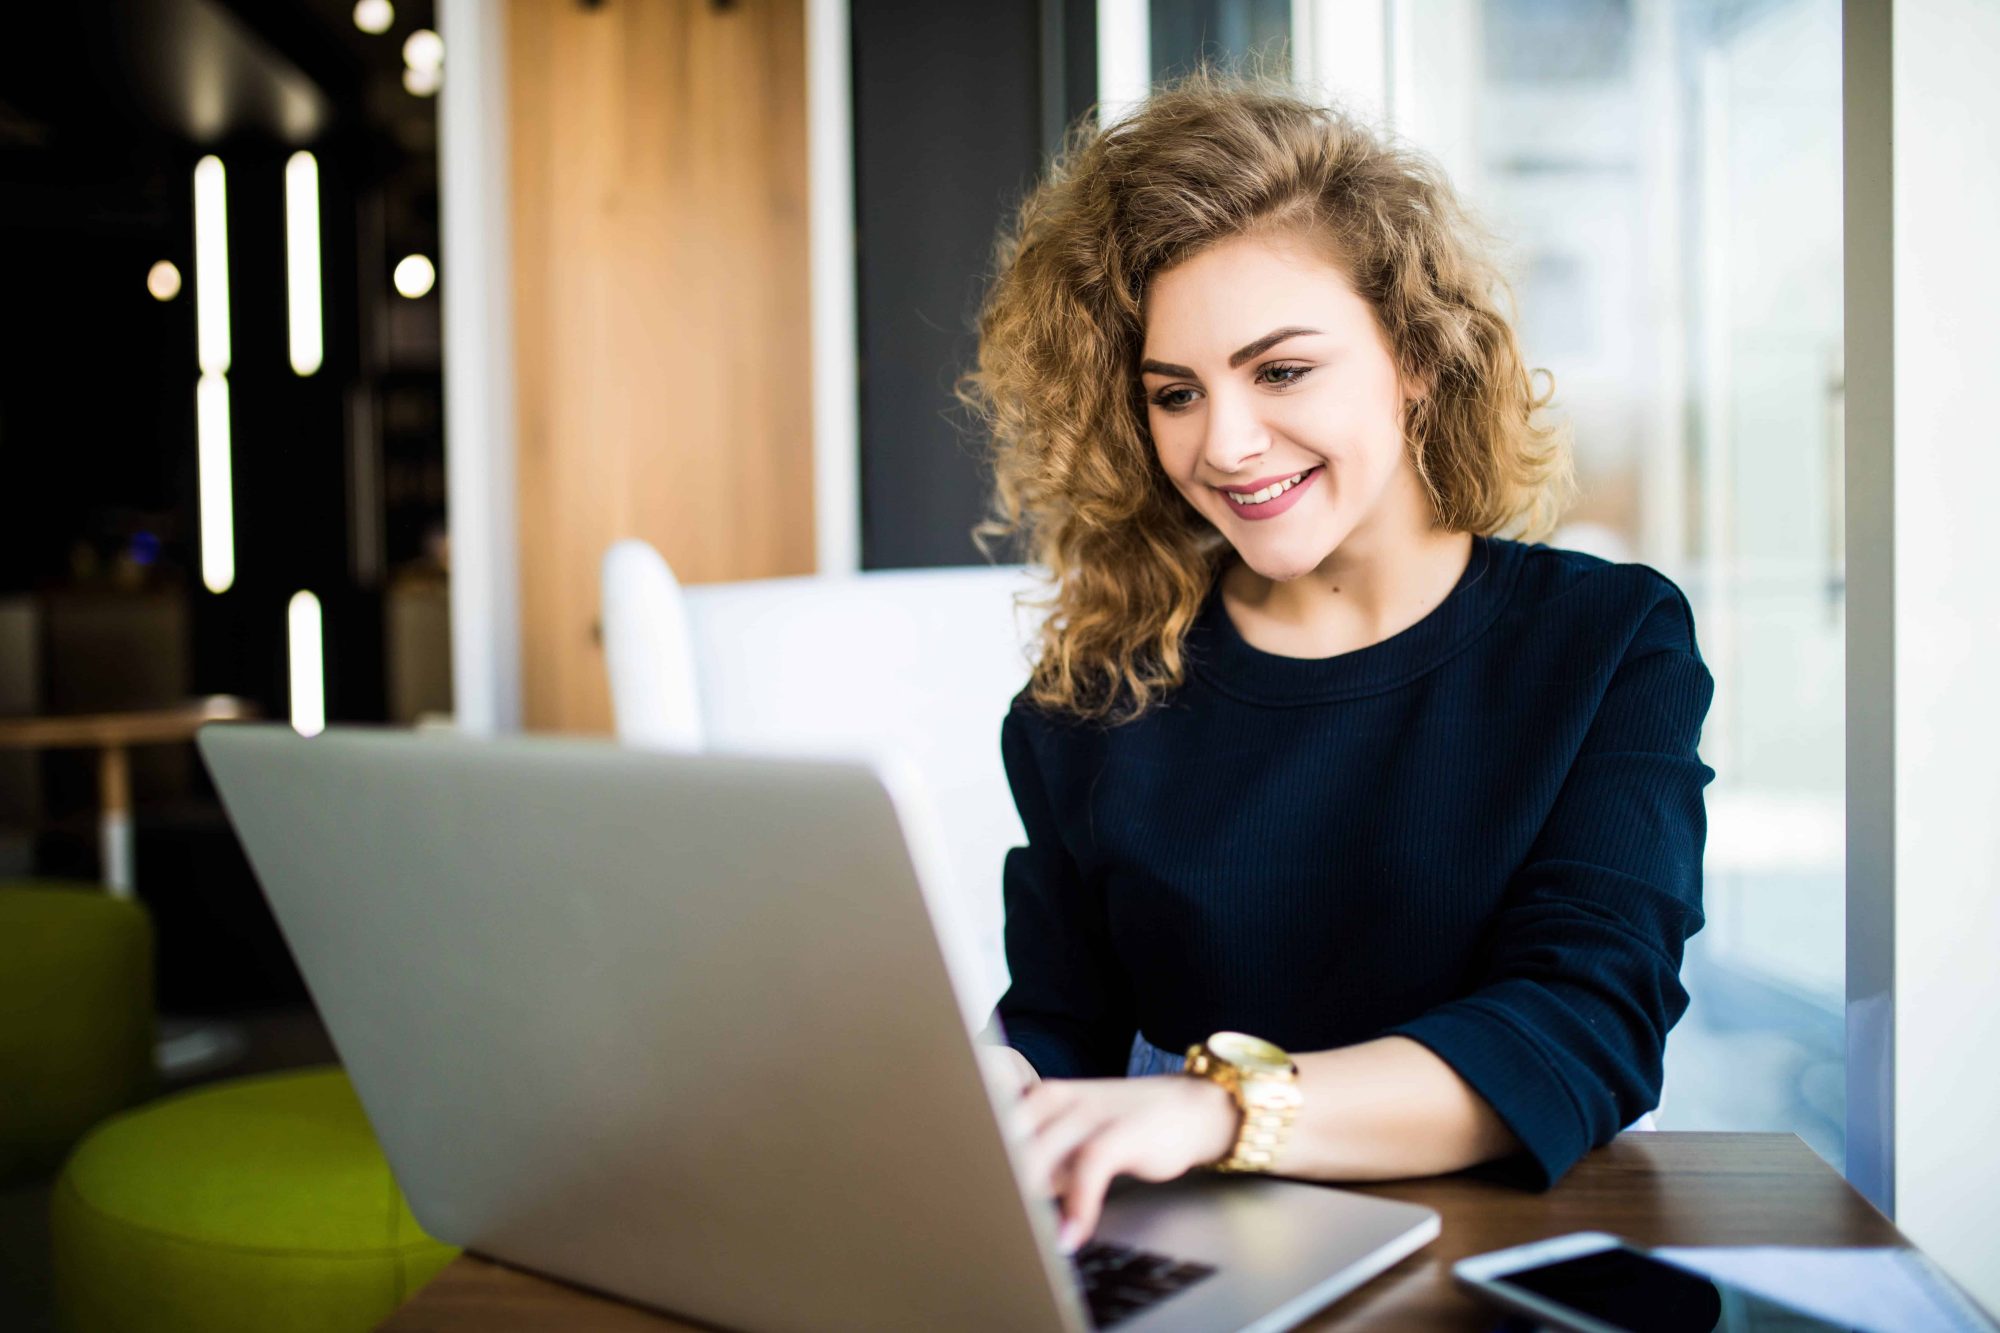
pixel 646 651
pixel 922 663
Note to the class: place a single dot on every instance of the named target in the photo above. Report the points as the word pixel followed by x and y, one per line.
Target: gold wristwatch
pixel 1265 1084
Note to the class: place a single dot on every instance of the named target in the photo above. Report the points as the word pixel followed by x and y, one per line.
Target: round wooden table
pixel 112 735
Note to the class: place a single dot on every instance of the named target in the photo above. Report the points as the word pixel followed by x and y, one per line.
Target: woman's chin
pixel 1292 545
pixel 1280 566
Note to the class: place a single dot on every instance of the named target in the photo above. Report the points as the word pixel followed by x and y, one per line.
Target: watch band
pixel 1268 1101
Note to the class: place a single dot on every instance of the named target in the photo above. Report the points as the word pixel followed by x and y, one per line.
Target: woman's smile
pixel 1269 497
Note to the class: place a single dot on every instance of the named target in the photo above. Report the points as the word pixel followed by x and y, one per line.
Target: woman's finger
pixel 1090 1172
pixel 1052 1144
pixel 1043 1102
pixel 1051 1098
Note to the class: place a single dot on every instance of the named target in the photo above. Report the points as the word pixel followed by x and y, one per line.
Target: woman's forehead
pixel 1238 290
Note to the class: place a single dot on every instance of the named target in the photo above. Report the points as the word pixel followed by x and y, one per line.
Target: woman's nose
pixel 1235 435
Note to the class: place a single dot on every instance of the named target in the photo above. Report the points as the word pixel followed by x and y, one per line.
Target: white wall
pixel 1947 201
pixel 1924 443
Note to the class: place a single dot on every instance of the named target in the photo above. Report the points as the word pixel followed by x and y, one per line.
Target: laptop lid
pixel 678 1027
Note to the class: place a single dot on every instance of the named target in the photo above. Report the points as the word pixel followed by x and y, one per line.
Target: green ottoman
pixel 258 1204
pixel 76 1017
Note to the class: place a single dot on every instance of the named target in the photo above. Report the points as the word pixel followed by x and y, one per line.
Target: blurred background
pixel 222 403
pixel 121 590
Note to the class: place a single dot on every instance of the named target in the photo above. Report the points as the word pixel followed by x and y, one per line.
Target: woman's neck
pixel 1373 586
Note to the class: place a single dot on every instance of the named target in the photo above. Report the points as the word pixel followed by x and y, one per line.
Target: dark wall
pixel 96 379
pixel 98 467
pixel 954 108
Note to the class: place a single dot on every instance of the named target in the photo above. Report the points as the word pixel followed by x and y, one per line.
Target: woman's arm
pixel 1066 1009
pixel 1563 1028
pixel 1387 1109
pixel 1382 1110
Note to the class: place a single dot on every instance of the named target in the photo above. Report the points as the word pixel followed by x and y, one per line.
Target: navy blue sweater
pixel 1483 833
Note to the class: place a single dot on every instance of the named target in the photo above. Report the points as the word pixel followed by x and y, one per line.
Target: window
pixel 1668 177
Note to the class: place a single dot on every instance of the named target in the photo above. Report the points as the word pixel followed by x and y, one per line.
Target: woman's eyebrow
pixel 1236 358
pixel 1265 343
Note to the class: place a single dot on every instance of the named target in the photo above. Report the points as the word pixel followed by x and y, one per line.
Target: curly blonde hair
pixel 1212 156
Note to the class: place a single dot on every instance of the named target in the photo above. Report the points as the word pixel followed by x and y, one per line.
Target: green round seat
pixel 76 1016
pixel 257 1204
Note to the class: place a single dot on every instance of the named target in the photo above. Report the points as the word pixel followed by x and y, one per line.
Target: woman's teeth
pixel 1269 493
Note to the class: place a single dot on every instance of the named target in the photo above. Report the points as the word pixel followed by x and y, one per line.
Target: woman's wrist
pixel 1221 1119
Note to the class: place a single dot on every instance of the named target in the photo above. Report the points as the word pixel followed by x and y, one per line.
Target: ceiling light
pixel 374 16
pixel 415 275
pixel 423 49
pixel 163 280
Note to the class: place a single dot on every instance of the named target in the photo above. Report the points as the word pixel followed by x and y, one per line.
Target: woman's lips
pixel 1273 507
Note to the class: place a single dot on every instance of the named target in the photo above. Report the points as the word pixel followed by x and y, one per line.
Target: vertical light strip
pixel 211 267
pixel 1124 57
pixel 211 394
pixel 218 521
pixel 307 665
pixel 302 261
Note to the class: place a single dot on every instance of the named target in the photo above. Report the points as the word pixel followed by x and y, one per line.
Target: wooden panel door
pixel 661 310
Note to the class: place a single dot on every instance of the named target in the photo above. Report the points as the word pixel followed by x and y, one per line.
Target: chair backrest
pixel 923 662
pixel 646 651
pixel 920 662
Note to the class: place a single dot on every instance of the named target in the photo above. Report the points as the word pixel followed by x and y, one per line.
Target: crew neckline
pixel 1222 657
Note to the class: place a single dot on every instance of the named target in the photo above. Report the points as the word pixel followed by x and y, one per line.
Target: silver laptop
pixel 688 1029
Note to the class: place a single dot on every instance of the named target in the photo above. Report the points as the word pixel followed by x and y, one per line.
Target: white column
pixel 477 257
pixel 1923 114
pixel 836 407
pixel 1340 53
pixel 1124 57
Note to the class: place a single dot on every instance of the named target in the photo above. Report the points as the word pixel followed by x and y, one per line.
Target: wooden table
pixel 1655 1189
pixel 112 735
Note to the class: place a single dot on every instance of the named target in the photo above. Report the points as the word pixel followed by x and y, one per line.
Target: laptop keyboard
pixel 1118 1282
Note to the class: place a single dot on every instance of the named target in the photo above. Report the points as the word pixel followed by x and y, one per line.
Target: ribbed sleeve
pixel 1066 1009
pixel 1579 979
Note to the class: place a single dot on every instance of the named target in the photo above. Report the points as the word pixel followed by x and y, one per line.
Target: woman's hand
pixel 1007 1071
pixel 1083 1132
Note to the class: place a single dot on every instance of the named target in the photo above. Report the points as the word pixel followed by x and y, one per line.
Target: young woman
pixel 1313 752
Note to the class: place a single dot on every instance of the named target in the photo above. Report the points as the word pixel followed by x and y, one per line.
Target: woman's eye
pixel 1280 376
pixel 1173 400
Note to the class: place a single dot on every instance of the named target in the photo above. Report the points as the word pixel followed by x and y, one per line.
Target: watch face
pixel 1250 1053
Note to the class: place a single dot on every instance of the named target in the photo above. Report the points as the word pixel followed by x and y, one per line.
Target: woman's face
pixel 1275 405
